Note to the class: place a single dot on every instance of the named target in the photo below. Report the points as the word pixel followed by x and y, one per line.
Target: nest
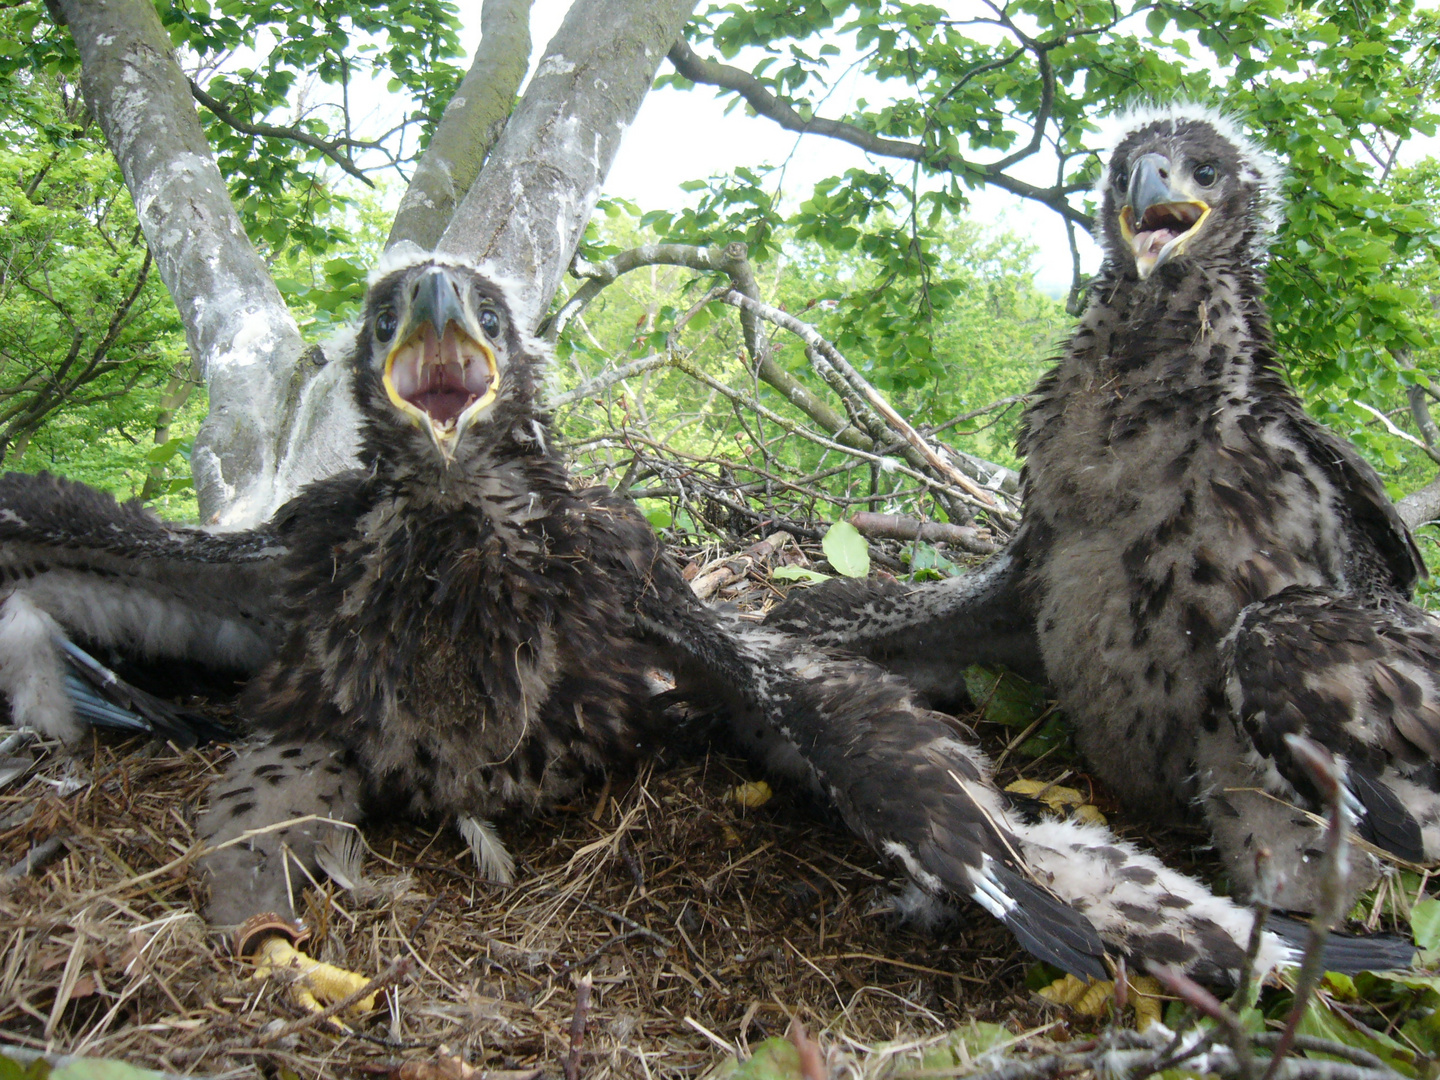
pixel 703 925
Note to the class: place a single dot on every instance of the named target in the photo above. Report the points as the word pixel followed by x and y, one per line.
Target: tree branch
pixel 524 215
pixel 696 69
pixel 472 122
pixel 942 468
pixel 733 261
pixel 237 326
pixel 274 131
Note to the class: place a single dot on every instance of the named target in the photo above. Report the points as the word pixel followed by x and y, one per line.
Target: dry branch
pixel 900 527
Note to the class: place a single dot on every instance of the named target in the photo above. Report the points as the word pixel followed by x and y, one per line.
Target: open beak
pixel 440 372
pixel 1158 219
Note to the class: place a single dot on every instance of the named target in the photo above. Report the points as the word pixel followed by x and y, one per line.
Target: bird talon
pixel 1092 997
pixel 1062 800
pixel 272 944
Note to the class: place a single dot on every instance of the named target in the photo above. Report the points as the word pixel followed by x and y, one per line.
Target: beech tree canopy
pixel 236 135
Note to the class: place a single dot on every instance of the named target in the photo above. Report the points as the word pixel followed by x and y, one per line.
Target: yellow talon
pixel 315 981
pixel 1066 991
pixel 1093 998
pixel 271 942
pixel 752 795
pixel 1058 799
pixel 1147 995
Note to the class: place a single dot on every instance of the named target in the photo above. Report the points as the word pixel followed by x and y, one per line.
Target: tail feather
pixel 1050 929
pixel 918 791
pixel 100 696
pixel 1346 953
pixel 1387 822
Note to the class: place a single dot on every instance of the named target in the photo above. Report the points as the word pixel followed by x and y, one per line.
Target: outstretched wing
pixel 1363 681
pixel 74 563
pixel 928 634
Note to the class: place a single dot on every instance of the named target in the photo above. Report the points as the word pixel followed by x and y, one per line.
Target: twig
pixel 1329 777
pixel 868 393
pixel 1197 997
pixel 577 1025
pixel 273 131
pixel 39 856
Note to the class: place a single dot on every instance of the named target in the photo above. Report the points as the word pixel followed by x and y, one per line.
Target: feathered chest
pixel 469 658
pixel 456 619
pixel 1166 442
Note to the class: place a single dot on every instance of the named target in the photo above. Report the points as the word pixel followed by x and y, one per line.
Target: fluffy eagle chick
pixel 1201 568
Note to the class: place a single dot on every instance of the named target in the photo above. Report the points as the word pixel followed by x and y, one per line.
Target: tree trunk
pixel 239 331
pixel 472 122
pixel 281 415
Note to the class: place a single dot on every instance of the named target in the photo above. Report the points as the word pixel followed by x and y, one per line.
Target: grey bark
pixel 472 122
pixel 239 331
pixel 524 216
pixel 280 415
pixel 1421 506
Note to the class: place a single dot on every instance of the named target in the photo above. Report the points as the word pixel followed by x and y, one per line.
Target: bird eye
pixel 490 322
pixel 1122 177
pixel 1206 174
pixel 385 324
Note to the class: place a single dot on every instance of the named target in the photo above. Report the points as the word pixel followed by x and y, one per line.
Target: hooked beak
pixel 441 372
pixel 1158 218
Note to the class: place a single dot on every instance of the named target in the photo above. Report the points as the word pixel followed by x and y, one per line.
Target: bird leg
pixel 1245 819
pixel 267 817
pixel 32 673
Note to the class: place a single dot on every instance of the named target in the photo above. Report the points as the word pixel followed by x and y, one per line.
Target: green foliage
pixel 1004 697
pixel 847 550
pixel 79 1069
pixel 1425 923
pixel 1336 89
pixel 303 52
pixel 88 335
pixel 773 1059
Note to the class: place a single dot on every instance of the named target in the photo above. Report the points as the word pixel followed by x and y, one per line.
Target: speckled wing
pixel 927 633
pixel 1362 680
pixel 1387 557
pixel 76 563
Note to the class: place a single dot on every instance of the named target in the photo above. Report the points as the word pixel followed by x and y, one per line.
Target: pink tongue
pixel 433 377
pixel 443 405
pixel 1150 243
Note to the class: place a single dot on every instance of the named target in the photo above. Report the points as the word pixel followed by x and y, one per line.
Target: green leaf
pixel 102 1069
pixel 1004 697
pixel 1425 923
pixel 797 573
pixel 962 1046
pixel 1320 1022
pixel 10 1069
pixel 847 550
pixel 773 1059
